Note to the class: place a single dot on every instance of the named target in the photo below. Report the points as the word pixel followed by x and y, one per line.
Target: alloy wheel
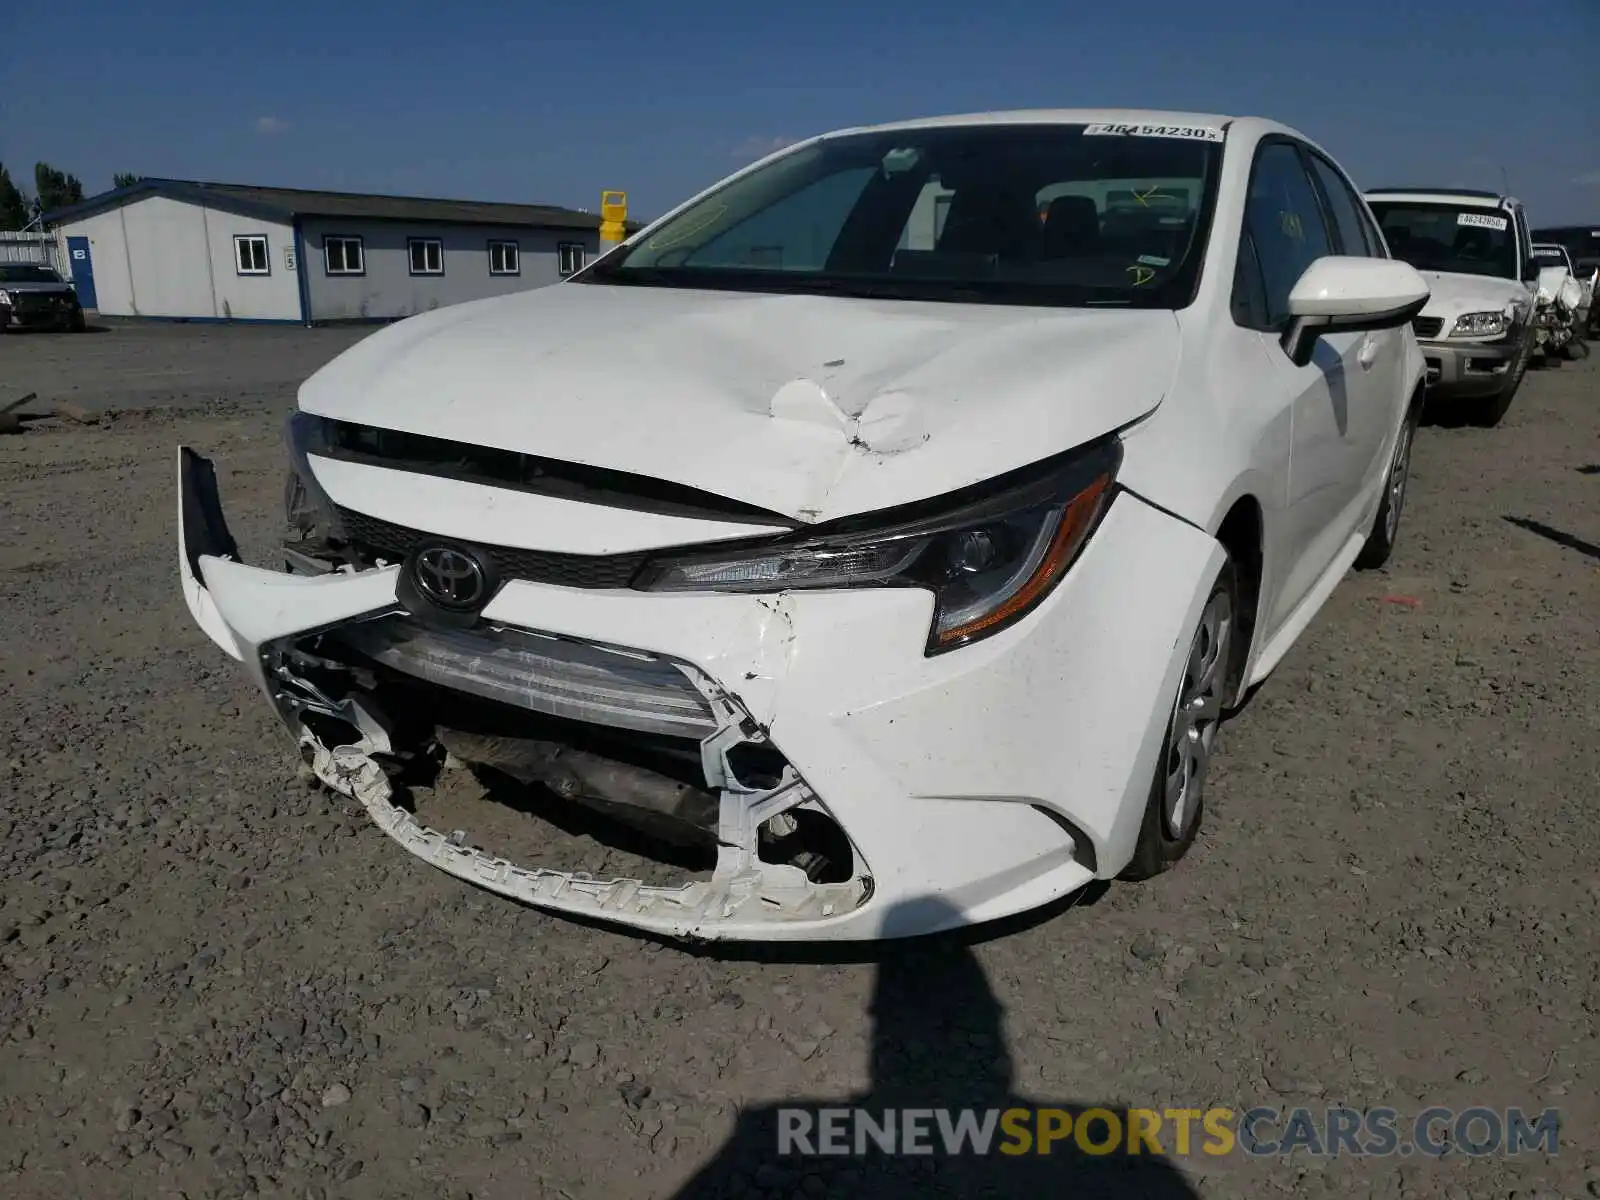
pixel 1399 471
pixel 1195 717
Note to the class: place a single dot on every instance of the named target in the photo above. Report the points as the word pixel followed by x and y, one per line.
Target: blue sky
pixel 551 103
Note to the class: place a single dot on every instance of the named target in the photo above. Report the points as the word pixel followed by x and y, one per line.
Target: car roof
pixel 1080 116
pixel 1053 116
pixel 1462 198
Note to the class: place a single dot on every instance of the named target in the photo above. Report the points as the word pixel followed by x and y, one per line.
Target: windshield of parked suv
pixel 1019 214
pixel 27 273
pixel 1447 237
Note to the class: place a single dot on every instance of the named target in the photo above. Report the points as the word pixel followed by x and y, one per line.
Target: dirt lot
pixel 120 362
pixel 220 983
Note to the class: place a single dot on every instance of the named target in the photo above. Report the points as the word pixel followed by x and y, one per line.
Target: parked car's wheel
pixel 1177 793
pixel 78 323
pixel 1489 410
pixel 1386 526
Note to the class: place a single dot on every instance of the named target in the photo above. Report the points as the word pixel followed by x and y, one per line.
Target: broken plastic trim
pixel 742 890
pixel 205 529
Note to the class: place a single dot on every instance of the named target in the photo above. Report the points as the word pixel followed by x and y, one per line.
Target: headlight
pixel 1480 324
pixel 989 555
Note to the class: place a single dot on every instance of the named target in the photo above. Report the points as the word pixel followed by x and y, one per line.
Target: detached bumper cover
pixel 971 785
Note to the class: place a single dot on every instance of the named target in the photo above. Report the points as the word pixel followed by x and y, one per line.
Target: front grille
pixel 1427 327
pixel 26 302
pixel 559 677
pixel 384 539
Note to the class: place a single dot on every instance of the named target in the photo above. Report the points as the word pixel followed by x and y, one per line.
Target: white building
pixel 226 252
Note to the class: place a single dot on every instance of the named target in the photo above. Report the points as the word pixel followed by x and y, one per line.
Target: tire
pixel 79 323
pixel 1215 655
pixel 1488 411
pixel 1386 525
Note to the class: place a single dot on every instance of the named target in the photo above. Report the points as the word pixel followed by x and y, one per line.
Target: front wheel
pixel 1386 526
pixel 1177 794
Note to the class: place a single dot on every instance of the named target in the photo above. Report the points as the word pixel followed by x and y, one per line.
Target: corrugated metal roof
pixel 286 203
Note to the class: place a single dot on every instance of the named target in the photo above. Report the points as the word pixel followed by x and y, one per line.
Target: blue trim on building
pixel 141 317
pixel 301 269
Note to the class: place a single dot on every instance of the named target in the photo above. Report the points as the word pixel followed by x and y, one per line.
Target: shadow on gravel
pixel 1443 414
pixel 1589 469
pixel 1556 536
pixel 937 1044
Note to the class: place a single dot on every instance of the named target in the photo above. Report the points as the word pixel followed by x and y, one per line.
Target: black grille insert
pixel 1427 327
pixel 397 450
pixel 383 539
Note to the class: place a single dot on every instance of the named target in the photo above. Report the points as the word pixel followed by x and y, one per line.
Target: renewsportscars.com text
pixel 1257 1132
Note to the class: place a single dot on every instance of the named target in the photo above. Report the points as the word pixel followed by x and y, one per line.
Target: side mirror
pixel 1341 294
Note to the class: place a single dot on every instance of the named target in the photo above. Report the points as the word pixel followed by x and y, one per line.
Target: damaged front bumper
pixel 967 786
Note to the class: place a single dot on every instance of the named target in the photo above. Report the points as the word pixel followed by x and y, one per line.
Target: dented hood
pixel 1450 294
pixel 814 407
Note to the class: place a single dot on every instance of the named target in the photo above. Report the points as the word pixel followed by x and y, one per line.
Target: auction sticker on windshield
pixel 1481 220
pixel 1199 133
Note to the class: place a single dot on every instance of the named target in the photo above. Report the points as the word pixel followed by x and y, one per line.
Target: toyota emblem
pixel 450 578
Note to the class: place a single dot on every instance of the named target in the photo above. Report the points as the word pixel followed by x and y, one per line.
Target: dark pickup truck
pixel 34 296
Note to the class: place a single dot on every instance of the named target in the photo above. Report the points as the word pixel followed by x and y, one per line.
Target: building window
pixel 570 258
pixel 343 256
pixel 250 254
pixel 505 258
pixel 427 256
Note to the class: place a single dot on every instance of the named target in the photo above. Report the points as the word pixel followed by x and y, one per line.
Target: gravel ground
pixel 126 363
pixel 218 982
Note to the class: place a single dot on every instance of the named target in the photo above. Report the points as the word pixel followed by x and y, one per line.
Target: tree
pixel 122 179
pixel 55 189
pixel 13 207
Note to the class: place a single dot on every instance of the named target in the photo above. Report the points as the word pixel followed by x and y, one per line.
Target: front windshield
pixel 1449 237
pixel 27 273
pixel 1017 214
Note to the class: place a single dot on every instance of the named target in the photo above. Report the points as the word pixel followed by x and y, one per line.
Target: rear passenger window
pixel 1284 220
pixel 1354 236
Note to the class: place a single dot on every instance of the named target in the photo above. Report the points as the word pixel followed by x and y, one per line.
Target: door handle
pixel 1368 353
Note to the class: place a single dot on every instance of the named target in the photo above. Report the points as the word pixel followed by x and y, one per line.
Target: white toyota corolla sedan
pixel 895 521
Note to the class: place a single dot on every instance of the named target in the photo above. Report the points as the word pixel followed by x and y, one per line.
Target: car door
pixel 1381 353
pixel 1287 232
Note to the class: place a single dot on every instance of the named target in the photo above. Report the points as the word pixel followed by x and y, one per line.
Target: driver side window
pixel 1284 222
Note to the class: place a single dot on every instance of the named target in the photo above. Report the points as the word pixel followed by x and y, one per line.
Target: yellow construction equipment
pixel 613 218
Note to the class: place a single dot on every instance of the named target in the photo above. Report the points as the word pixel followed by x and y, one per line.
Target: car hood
pixel 813 407
pixel 31 289
pixel 1452 294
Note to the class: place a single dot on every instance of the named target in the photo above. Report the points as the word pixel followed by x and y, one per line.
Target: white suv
pixel 1474 250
